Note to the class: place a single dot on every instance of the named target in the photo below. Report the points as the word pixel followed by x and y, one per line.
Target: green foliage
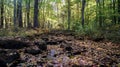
pixel 87 30
pixel 12 32
pixel 111 33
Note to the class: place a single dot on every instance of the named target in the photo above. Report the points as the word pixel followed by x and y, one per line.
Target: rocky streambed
pixel 58 49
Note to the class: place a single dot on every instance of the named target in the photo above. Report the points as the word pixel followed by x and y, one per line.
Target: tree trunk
pixel 2 14
pixel 36 24
pixel 100 13
pixel 97 19
pixel 78 11
pixel 19 7
pixel 28 13
pixel 114 11
pixel 119 11
pixel 15 14
pixel 69 14
pixel 82 12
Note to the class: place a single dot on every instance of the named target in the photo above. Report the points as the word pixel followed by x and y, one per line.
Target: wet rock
pixel 103 65
pixel 17 63
pixel 66 60
pixel 45 38
pixel 32 65
pixel 13 57
pixel 30 37
pixel 40 63
pixel 33 51
pixel 37 35
pixel 68 48
pixel 52 52
pixel 41 45
pixel 62 46
pixel 12 44
pixel 69 54
pixel 6 59
pixel 69 34
pixel 2 63
pixel 37 43
pixel 52 42
pixel 77 53
pixel 40 42
pixel 83 49
pixel 44 56
pixel 107 60
pixel 50 66
pixel 76 65
pixel 3 52
pixel 60 41
pixel 116 55
pixel 79 38
pixel 98 39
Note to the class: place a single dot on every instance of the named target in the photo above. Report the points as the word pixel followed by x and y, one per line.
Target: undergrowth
pixel 110 33
pixel 18 32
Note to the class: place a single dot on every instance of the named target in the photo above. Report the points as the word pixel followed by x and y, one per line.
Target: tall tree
pixel 15 14
pixel 82 12
pixel 77 9
pixel 19 11
pixel 69 14
pixel 28 13
pixel 2 14
pixel 119 11
pixel 114 11
pixel 36 24
pixel 99 5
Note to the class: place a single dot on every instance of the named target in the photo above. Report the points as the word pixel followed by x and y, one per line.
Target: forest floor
pixel 58 49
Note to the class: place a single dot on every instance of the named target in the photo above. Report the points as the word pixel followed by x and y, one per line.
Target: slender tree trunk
pixel 97 19
pixel 82 12
pixel 44 19
pixel 2 14
pixel 114 11
pixel 77 14
pixel 36 24
pixel 20 13
pixel 43 13
pixel 100 13
pixel 58 19
pixel 69 14
pixel 28 13
pixel 15 12
pixel 103 17
pixel 119 11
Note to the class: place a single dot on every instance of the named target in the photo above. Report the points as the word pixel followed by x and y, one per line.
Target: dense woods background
pixel 86 17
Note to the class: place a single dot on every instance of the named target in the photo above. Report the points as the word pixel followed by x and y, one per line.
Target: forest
pixel 59 33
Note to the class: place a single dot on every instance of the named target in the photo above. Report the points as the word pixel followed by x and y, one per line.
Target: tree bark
pixel 69 14
pixel 28 13
pixel 15 12
pixel 36 11
pixel 19 7
pixel 119 11
pixel 82 12
pixel 2 14
pixel 114 11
